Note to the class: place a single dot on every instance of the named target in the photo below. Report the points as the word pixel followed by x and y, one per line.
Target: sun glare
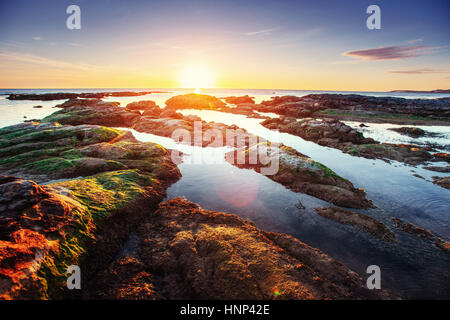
pixel 196 76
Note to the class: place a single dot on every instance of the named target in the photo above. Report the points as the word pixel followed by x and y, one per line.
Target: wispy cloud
pixel 414 41
pixel 421 71
pixel 260 32
pixel 6 57
pixel 37 38
pixel 391 52
pixel 151 44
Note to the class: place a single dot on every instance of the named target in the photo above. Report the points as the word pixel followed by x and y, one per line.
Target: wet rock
pixel 445 169
pixel 44 229
pixel 444 182
pixel 93 111
pixel 360 108
pixel 240 100
pixel 149 107
pixel 173 126
pixel 125 279
pixel 336 134
pixel 302 174
pixel 421 233
pixel 358 220
pixel 410 131
pixel 66 95
pixel 169 113
pixel 201 254
pixel 412 229
pixel 47 151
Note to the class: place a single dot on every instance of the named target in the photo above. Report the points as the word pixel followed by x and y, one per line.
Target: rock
pixel 412 229
pixel 357 107
pixel 358 220
pixel 421 233
pixel 240 100
pixel 47 151
pixel 302 174
pixel 444 182
pixel 170 113
pixel 410 131
pixel 166 127
pixel 336 134
pixel 81 220
pixel 50 231
pixel 149 107
pixel 66 95
pixel 93 111
pixel 194 101
pixel 362 125
pixel 38 107
pixel 201 254
pixel 445 169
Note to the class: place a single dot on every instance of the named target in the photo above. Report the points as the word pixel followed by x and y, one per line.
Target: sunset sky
pixel 322 45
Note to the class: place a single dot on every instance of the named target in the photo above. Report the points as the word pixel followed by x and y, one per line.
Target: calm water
pixel 414 267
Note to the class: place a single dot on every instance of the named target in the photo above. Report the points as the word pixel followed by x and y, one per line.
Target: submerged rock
pixel 201 254
pixel 410 131
pixel 412 229
pixel 445 169
pixel 358 220
pixel 444 182
pixel 302 174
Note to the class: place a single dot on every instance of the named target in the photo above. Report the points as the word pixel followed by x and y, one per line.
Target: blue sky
pixel 252 44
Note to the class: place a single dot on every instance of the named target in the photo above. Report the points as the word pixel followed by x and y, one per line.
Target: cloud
pixel 37 38
pixel 391 52
pixel 258 32
pixel 414 41
pixel 32 59
pixel 420 71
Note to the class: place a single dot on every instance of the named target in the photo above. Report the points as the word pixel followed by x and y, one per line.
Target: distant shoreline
pixel 438 91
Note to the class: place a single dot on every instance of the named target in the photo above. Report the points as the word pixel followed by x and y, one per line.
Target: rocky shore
pixel 66 95
pixel 335 134
pixel 75 190
pixel 107 181
pixel 353 107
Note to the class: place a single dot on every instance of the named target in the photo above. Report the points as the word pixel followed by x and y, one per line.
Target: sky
pixel 253 44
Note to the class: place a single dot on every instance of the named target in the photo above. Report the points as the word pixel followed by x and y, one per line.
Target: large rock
pixel 93 111
pixel 352 105
pixel 149 107
pixel 187 252
pixel 194 101
pixel 358 220
pixel 44 229
pixel 302 174
pixel 240 100
pixel 47 151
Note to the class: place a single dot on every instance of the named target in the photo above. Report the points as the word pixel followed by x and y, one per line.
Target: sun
pixel 196 76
